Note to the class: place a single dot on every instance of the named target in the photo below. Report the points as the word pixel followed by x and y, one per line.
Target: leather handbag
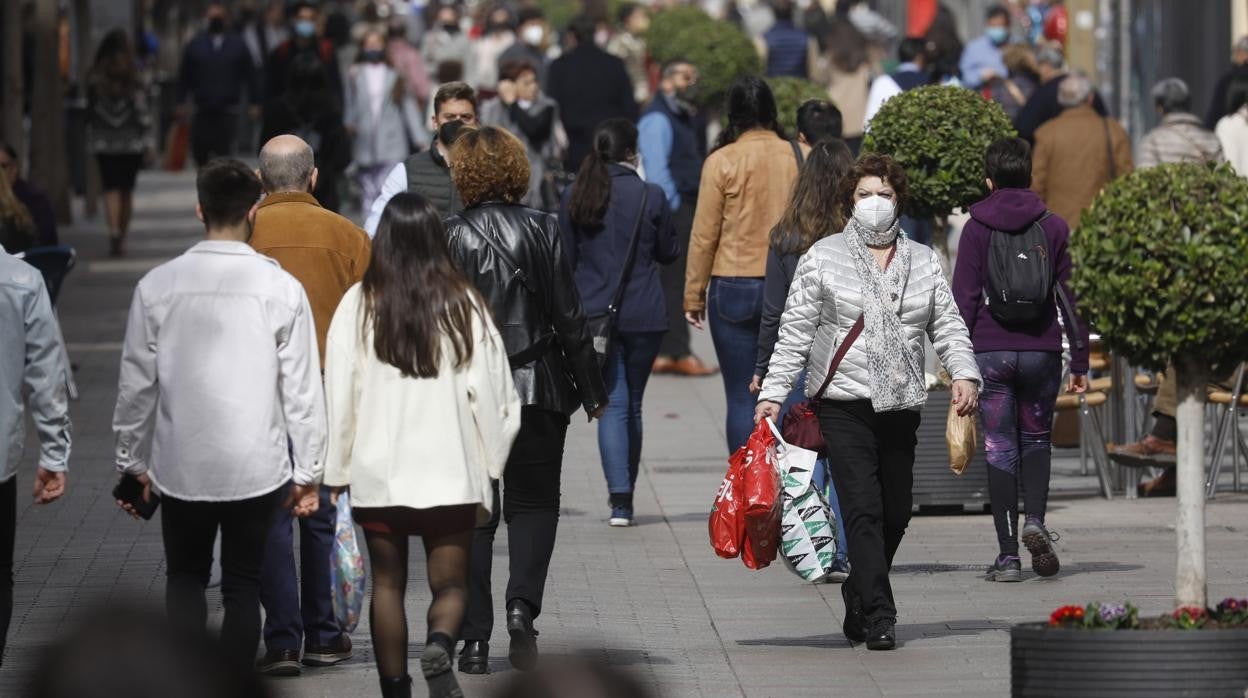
pixel 604 326
pixel 801 425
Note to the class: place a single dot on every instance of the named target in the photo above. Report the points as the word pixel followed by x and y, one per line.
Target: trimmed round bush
pixel 790 94
pixel 721 51
pixel 939 135
pixel 1159 265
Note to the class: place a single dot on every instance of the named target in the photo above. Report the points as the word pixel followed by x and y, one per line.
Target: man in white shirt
pixel 911 72
pixel 219 373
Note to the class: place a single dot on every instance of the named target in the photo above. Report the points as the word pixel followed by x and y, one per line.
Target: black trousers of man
pixel 531 509
pixel 212 134
pixel 672 276
pixel 189 529
pixel 873 471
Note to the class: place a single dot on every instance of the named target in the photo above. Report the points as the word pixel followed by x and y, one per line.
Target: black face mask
pixel 451 27
pixel 216 25
pixel 448 131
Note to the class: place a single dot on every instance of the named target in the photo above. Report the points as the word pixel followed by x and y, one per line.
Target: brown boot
pixel 1147 453
pixel 693 366
pixel 663 364
pixel 1160 486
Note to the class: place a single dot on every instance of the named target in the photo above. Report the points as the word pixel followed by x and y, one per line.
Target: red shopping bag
pixel 760 485
pixel 727 522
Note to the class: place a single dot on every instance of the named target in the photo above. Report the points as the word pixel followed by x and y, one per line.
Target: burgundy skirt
pixel 406 521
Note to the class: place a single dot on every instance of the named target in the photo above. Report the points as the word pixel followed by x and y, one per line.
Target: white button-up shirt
pixel 219 367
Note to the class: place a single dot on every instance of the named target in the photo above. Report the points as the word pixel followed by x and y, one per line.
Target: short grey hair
pixel 286 169
pixel 1074 90
pixel 1049 55
pixel 1172 95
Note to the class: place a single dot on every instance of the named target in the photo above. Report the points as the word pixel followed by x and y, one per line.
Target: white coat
pixel 416 442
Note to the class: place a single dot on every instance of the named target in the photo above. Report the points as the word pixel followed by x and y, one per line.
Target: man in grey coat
pixel 32 371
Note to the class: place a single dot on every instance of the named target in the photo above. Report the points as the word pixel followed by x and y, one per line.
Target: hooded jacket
pixel 1009 211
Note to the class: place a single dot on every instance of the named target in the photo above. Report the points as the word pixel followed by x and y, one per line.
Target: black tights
pixel 447 569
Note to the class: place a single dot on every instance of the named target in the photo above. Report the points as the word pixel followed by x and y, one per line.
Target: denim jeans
pixel 619 430
pixel 299 609
pixel 734 309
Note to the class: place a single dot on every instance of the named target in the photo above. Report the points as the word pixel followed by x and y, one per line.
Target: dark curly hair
pixel 489 164
pixel 873 165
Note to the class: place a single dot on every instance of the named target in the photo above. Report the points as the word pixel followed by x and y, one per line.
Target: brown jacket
pixel 324 251
pixel 745 187
pixel 1071 162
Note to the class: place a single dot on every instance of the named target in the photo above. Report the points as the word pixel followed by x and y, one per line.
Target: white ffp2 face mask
pixel 875 215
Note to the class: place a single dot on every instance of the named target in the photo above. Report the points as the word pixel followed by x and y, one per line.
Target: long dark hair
pixel 812 214
pixel 615 140
pixel 847 47
pixel 751 105
pixel 114 72
pixel 413 294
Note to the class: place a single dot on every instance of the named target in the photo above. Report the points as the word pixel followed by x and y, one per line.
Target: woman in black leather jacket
pixel 514 257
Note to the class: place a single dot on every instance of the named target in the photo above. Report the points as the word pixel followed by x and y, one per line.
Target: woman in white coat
pixel 382 117
pixel 422 413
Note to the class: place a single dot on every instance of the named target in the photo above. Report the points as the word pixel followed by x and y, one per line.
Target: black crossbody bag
pixel 604 326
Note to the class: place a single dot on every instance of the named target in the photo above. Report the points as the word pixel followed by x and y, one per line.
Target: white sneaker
pixel 620 518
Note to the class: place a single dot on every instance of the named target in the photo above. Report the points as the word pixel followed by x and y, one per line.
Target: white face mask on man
pixel 875 216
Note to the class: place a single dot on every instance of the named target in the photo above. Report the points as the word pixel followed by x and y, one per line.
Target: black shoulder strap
pixel 631 257
pixel 502 253
pixel 797 153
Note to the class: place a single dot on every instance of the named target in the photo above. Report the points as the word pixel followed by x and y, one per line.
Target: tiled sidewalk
pixel 654 598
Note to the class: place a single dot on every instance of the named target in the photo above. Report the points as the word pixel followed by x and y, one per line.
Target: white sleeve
pixel 883 88
pixel 396 182
pixel 303 398
pixel 342 388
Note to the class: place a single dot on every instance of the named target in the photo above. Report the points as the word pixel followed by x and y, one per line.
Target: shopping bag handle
pixel 780 442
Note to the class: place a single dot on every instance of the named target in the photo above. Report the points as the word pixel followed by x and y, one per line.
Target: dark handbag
pixel 603 326
pixel 800 426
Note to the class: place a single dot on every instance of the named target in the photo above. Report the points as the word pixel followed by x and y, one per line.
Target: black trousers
pixel 212 134
pixel 672 276
pixel 530 507
pixel 873 471
pixel 8 536
pixel 189 530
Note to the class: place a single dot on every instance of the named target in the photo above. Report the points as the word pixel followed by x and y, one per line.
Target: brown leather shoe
pixel 663 364
pixel 1161 486
pixel 1148 452
pixel 692 366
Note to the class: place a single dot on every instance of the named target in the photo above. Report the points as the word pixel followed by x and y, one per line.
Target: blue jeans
pixel 734 309
pixel 290 621
pixel 619 430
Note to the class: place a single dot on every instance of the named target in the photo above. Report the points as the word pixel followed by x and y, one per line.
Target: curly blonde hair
pixel 489 164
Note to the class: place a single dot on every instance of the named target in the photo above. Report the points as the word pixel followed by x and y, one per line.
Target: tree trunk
pixel 1190 580
pixel 47 128
pixel 14 92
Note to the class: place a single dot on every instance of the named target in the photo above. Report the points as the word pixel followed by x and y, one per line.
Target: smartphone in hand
pixel 130 491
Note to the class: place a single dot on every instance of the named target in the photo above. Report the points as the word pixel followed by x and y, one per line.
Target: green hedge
pixel 721 51
pixel 939 135
pixel 1159 265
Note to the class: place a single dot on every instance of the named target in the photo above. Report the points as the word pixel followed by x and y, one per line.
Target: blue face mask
pixel 999 35
pixel 305 29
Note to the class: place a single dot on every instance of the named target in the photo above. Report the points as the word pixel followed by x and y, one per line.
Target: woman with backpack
pixel 602 213
pixel 1012 277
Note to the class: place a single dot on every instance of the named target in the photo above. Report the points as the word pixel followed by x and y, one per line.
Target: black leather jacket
pixel 552 355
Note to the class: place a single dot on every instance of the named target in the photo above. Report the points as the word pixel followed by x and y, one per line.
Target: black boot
pixel 475 657
pixel 883 634
pixel 400 687
pixel 855 625
pixel 435 664
pixel 523 653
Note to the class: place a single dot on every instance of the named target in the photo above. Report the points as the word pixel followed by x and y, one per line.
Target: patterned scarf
pixel 895 374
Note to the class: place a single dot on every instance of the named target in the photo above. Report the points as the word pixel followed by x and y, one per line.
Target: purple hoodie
pixel 1011 210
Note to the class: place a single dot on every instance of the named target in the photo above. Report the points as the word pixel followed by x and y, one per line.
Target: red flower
pixel 1066 613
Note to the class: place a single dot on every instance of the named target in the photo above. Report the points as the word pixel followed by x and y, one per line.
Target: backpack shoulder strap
pixel 797 153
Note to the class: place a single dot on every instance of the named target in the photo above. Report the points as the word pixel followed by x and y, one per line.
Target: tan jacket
pixel 324 251
pixel 745 187
pixel 1071 161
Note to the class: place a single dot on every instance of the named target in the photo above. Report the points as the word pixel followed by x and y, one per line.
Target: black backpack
pixel 1020 275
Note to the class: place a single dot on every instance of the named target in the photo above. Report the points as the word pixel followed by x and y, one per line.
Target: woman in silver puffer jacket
pixel 877 293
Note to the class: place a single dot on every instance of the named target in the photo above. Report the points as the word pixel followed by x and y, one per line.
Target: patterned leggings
pixel 1020 389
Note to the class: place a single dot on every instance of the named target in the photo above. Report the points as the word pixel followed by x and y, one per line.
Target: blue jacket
pixel 598 255
pixel 215 77
pixel 786 50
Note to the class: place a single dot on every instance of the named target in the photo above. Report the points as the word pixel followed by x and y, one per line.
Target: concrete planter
pixel 1049 662
pixel 935 485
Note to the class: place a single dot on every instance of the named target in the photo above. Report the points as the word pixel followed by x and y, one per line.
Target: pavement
pixel 652 600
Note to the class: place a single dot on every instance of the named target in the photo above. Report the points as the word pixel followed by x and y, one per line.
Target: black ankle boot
pixel 523 653
pixel 400 687
pixel 475 657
